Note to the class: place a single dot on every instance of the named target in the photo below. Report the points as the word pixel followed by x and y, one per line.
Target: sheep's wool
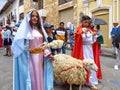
pixel 54 44
pixel 69 69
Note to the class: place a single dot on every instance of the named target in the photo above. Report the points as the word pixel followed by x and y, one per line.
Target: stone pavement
pixel 6 71
pixel 111 77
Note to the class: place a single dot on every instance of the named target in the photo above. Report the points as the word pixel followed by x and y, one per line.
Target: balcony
pixel 7 4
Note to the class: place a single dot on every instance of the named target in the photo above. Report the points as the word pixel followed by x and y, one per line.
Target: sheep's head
pixel 90 64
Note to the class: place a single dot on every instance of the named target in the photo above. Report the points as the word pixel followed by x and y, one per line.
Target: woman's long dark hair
pixel 38 23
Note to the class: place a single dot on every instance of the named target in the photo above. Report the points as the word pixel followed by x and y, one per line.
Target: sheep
pixel 71 70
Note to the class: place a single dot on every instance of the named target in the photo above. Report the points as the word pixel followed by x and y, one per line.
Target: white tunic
pixel 88 40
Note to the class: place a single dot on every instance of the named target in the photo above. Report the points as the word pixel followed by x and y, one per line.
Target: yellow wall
pixel 107 2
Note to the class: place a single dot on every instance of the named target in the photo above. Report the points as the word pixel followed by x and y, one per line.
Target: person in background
pixel 28 65
pixel 1 44
pixel 113 34
pixel 84 38
pixel 100 38
pixel 14 31
pixel 48 67
pixel 117 46
pixel 70 28
pixel 53 29
pixel 50 33
pixel 61 34
pixel 7 42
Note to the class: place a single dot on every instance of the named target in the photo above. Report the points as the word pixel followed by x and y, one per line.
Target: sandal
pixel 94 88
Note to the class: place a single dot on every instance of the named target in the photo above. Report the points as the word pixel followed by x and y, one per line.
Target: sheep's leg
pixel 70 86
pixel 80 87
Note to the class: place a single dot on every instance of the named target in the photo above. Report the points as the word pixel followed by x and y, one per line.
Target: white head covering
pixel 23 31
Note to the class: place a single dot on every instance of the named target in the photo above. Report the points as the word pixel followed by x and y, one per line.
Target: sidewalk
pixel 108 52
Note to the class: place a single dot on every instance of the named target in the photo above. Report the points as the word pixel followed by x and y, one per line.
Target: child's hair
pixel 98 26
pixel 85 17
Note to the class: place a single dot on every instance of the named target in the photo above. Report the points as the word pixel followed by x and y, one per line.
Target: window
pixel 40 4
pixel 99 3
pixel 64 1
pixel 21 16
pixel 20 2
pixel 8 19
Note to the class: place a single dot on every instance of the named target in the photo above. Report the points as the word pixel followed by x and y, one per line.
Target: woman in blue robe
pixel 22 77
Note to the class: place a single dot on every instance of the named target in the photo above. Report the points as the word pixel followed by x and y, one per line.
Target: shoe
pixel 116 67
pixel 94 87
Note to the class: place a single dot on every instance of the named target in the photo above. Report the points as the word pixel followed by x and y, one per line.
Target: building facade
pixel 107 10
pixel 55 11
pixel 71 10
pixel 9 13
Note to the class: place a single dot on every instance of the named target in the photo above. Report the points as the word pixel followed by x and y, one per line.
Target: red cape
pixel 97 59
pixel 78 50
pixel 0 39
pixel 78 45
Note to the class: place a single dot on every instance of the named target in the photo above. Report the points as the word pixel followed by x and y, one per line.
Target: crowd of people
pixel 35 71
pixel 7 34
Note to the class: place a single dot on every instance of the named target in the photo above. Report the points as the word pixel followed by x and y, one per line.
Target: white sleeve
pixel 89 38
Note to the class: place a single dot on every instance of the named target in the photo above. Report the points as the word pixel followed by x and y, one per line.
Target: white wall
pixel 12 8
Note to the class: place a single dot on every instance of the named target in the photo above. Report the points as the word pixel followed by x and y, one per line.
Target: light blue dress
pixel 48 74
pixel 21 72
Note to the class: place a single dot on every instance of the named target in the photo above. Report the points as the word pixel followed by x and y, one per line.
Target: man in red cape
pixel 78 50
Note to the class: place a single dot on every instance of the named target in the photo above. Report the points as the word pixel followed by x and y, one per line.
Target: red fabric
pixel 0 40
pixel 87 76
pixel 78 45
pixel 97 59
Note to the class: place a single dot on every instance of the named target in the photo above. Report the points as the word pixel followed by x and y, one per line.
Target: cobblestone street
pixel 111 78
